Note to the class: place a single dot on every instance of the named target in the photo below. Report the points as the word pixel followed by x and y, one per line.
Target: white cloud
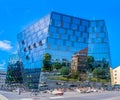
pixel 2 64
pixel 5 45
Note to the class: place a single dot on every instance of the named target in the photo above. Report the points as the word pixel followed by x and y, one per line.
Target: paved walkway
pixel 2 97
pixel 46 96
pixel 114 98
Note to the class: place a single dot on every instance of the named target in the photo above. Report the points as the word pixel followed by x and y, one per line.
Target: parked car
pixel 43 84
pixel 72 85
pixel 60 83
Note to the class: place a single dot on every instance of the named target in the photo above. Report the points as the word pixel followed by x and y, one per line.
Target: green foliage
pixel 90 59
pixel 75 75
pixel 47 65
pixel 57 65
pixel 97 80
pixel 15 73
pixel 90 63
pixel 64 70
pixel 99 72
pixel 62 78
pixel 47 57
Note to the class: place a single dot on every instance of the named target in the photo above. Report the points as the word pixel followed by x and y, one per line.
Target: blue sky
pixel 15 15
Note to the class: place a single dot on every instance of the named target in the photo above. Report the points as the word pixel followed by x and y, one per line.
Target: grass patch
pixel 62 78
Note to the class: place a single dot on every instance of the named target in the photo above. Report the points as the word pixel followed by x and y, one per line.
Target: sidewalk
pixel 114 98
pixel 47 96
pixel 2 97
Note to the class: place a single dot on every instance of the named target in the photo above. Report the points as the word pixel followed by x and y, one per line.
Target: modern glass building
pixel 61 36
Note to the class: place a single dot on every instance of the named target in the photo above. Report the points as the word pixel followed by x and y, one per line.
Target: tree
pixel 90 63
pixel 64 70
pixel 47 65
pixel 75 75
pixel 47 57
pixel 90 59
pixel 57 65
pixel 10 75
pixel 99 72
pixel 19 71
pixel 15 73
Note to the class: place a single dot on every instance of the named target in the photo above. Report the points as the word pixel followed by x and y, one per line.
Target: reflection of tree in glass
pixel 90 63
pixel 99 72
pixel 14 73
pixel 57 65
pixel 64 70
pixel 47 66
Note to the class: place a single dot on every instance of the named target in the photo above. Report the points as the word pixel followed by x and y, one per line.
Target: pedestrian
pixel 19 92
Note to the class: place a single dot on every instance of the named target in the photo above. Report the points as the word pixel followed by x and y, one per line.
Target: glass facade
pixel 61 36
pixel 15 70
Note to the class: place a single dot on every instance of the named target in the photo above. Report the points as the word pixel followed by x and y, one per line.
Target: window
pixel 50 33
pixel 30 47
pixel 97 35
pixel 35 45
pixel 73 38
pixel 93 24
pixel 66 25
pixel 86 29
pixel 102 28
pixel 97 23
pixel 61 30
pixel 68 43
pixel 70 32
pixel 40 43
pixel 64 42
pixel 66 19
pixel 60 36
pixel 72 44
pixel 25 49
pixel 77 33
pixel 57 23
pixel 68 37
pixel 27 57
pixel 80 22
pixel 49 46
pixel 76 20
pixel 84 40
pixel 56 16
pixel 92 40
pixel 93 29
pixel 52 29
pixel 67 48
pixel 23 42
pixel 81 28
pixel 58 47
pixel 77 38
pixel 73 26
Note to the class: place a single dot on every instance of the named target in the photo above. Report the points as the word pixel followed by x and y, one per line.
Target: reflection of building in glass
pixel 13 59
pixel 79 62
pixel 2 78
pixel 14 70
pixel 61 36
